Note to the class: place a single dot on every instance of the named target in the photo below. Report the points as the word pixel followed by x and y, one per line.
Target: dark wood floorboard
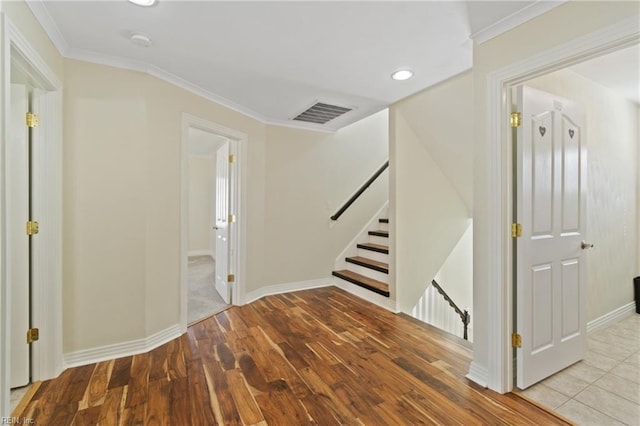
pixel 321 357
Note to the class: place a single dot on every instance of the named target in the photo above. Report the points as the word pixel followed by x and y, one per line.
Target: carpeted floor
pixel 204 300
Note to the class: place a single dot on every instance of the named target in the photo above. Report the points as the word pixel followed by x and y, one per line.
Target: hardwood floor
pixel 319 356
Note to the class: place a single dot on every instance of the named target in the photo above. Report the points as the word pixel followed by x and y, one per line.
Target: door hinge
pixel 516 340
pixel 232 218
pixel 232 158
pixel 516 230
pixel 33 334
pixel 516 119
pixel 32 120
pixel 231 278
pixel 33 227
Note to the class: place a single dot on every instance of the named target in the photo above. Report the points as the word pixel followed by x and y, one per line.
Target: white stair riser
pixel 383 226
pixel 376 275
pixel 374 255
pixel 379 240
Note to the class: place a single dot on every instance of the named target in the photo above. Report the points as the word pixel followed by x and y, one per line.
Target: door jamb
pixel 500 268
pixel 237 204
pixel 47 361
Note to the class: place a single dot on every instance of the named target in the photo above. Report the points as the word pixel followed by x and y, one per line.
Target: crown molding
pixel 517 18
pixel 42 15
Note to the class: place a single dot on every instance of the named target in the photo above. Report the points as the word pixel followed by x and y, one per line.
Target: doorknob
pixel 585 245
pixel 215 227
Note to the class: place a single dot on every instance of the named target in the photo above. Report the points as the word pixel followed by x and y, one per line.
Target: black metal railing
pixel 360 191
pixel 464 315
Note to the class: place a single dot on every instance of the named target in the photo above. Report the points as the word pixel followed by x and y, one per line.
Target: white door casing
pixel 16 53
pixel 17 197
pixel 222 223
pixel 550 259
pixel 237 236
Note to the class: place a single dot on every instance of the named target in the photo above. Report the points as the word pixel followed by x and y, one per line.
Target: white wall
pixel 456 274
pixel 432 145
pixel 612 171
pixel 309 175
pixel 428 215
pixel 442 119
pixel 201 203
pixel 560 25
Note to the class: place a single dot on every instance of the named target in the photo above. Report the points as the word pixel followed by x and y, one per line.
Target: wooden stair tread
pixel 379 233
pixel 374 247
pixel 383 220
pixel 369 263
pixel 362 281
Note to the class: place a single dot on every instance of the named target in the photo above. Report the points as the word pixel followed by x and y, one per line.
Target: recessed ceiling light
pixel 140 39
pixel 143 2
pixel 401 75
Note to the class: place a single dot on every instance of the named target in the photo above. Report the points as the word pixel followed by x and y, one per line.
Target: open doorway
pixel 212 220
pixel 31 258
pixel 600 386
pixel 208 202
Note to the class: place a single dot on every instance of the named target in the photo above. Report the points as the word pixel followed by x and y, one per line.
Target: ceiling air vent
pixel 321 113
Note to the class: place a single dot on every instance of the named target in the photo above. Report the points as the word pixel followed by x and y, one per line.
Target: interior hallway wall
pixel 612 171
pixel 309 176
pixel 432 145
pixel 122 181
pixel 428 215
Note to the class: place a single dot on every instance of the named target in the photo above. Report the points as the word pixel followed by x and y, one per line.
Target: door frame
pixel 500 180
pixel 237 204
pixel 46 359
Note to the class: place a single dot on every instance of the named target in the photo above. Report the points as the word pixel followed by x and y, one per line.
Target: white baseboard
pixel 193 253
pixel 478 374
pixel 611 317
pixel 119 350
pixel 286 288
pixel 368 295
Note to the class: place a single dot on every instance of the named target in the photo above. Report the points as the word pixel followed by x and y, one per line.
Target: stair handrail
pixel 358 193
pixel 464 314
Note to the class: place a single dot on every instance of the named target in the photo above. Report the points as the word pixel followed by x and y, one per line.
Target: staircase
pixel 370 268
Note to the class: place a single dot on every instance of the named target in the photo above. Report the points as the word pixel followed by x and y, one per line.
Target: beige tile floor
pixel 17 395
pixel 604 388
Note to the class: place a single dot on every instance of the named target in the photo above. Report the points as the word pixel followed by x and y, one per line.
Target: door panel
pixel 550 263
pixel 542 179
pixel 222 225
pixel 570 293
pixel 17 153
pixel 542 297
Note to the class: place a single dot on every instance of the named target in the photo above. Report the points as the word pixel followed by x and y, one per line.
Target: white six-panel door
pixel 222 225
pixel 17 150
pixel 551 260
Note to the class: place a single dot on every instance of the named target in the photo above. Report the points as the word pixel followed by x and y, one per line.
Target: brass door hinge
pixel 516 340
pixel 231 278
pixel 33 227
pixel 232 158
pixel 32 120
pixel 516 230
pixel 232 218
pixel 516 119
pixel 33 334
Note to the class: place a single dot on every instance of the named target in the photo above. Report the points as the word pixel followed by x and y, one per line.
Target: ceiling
pixel 272 60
